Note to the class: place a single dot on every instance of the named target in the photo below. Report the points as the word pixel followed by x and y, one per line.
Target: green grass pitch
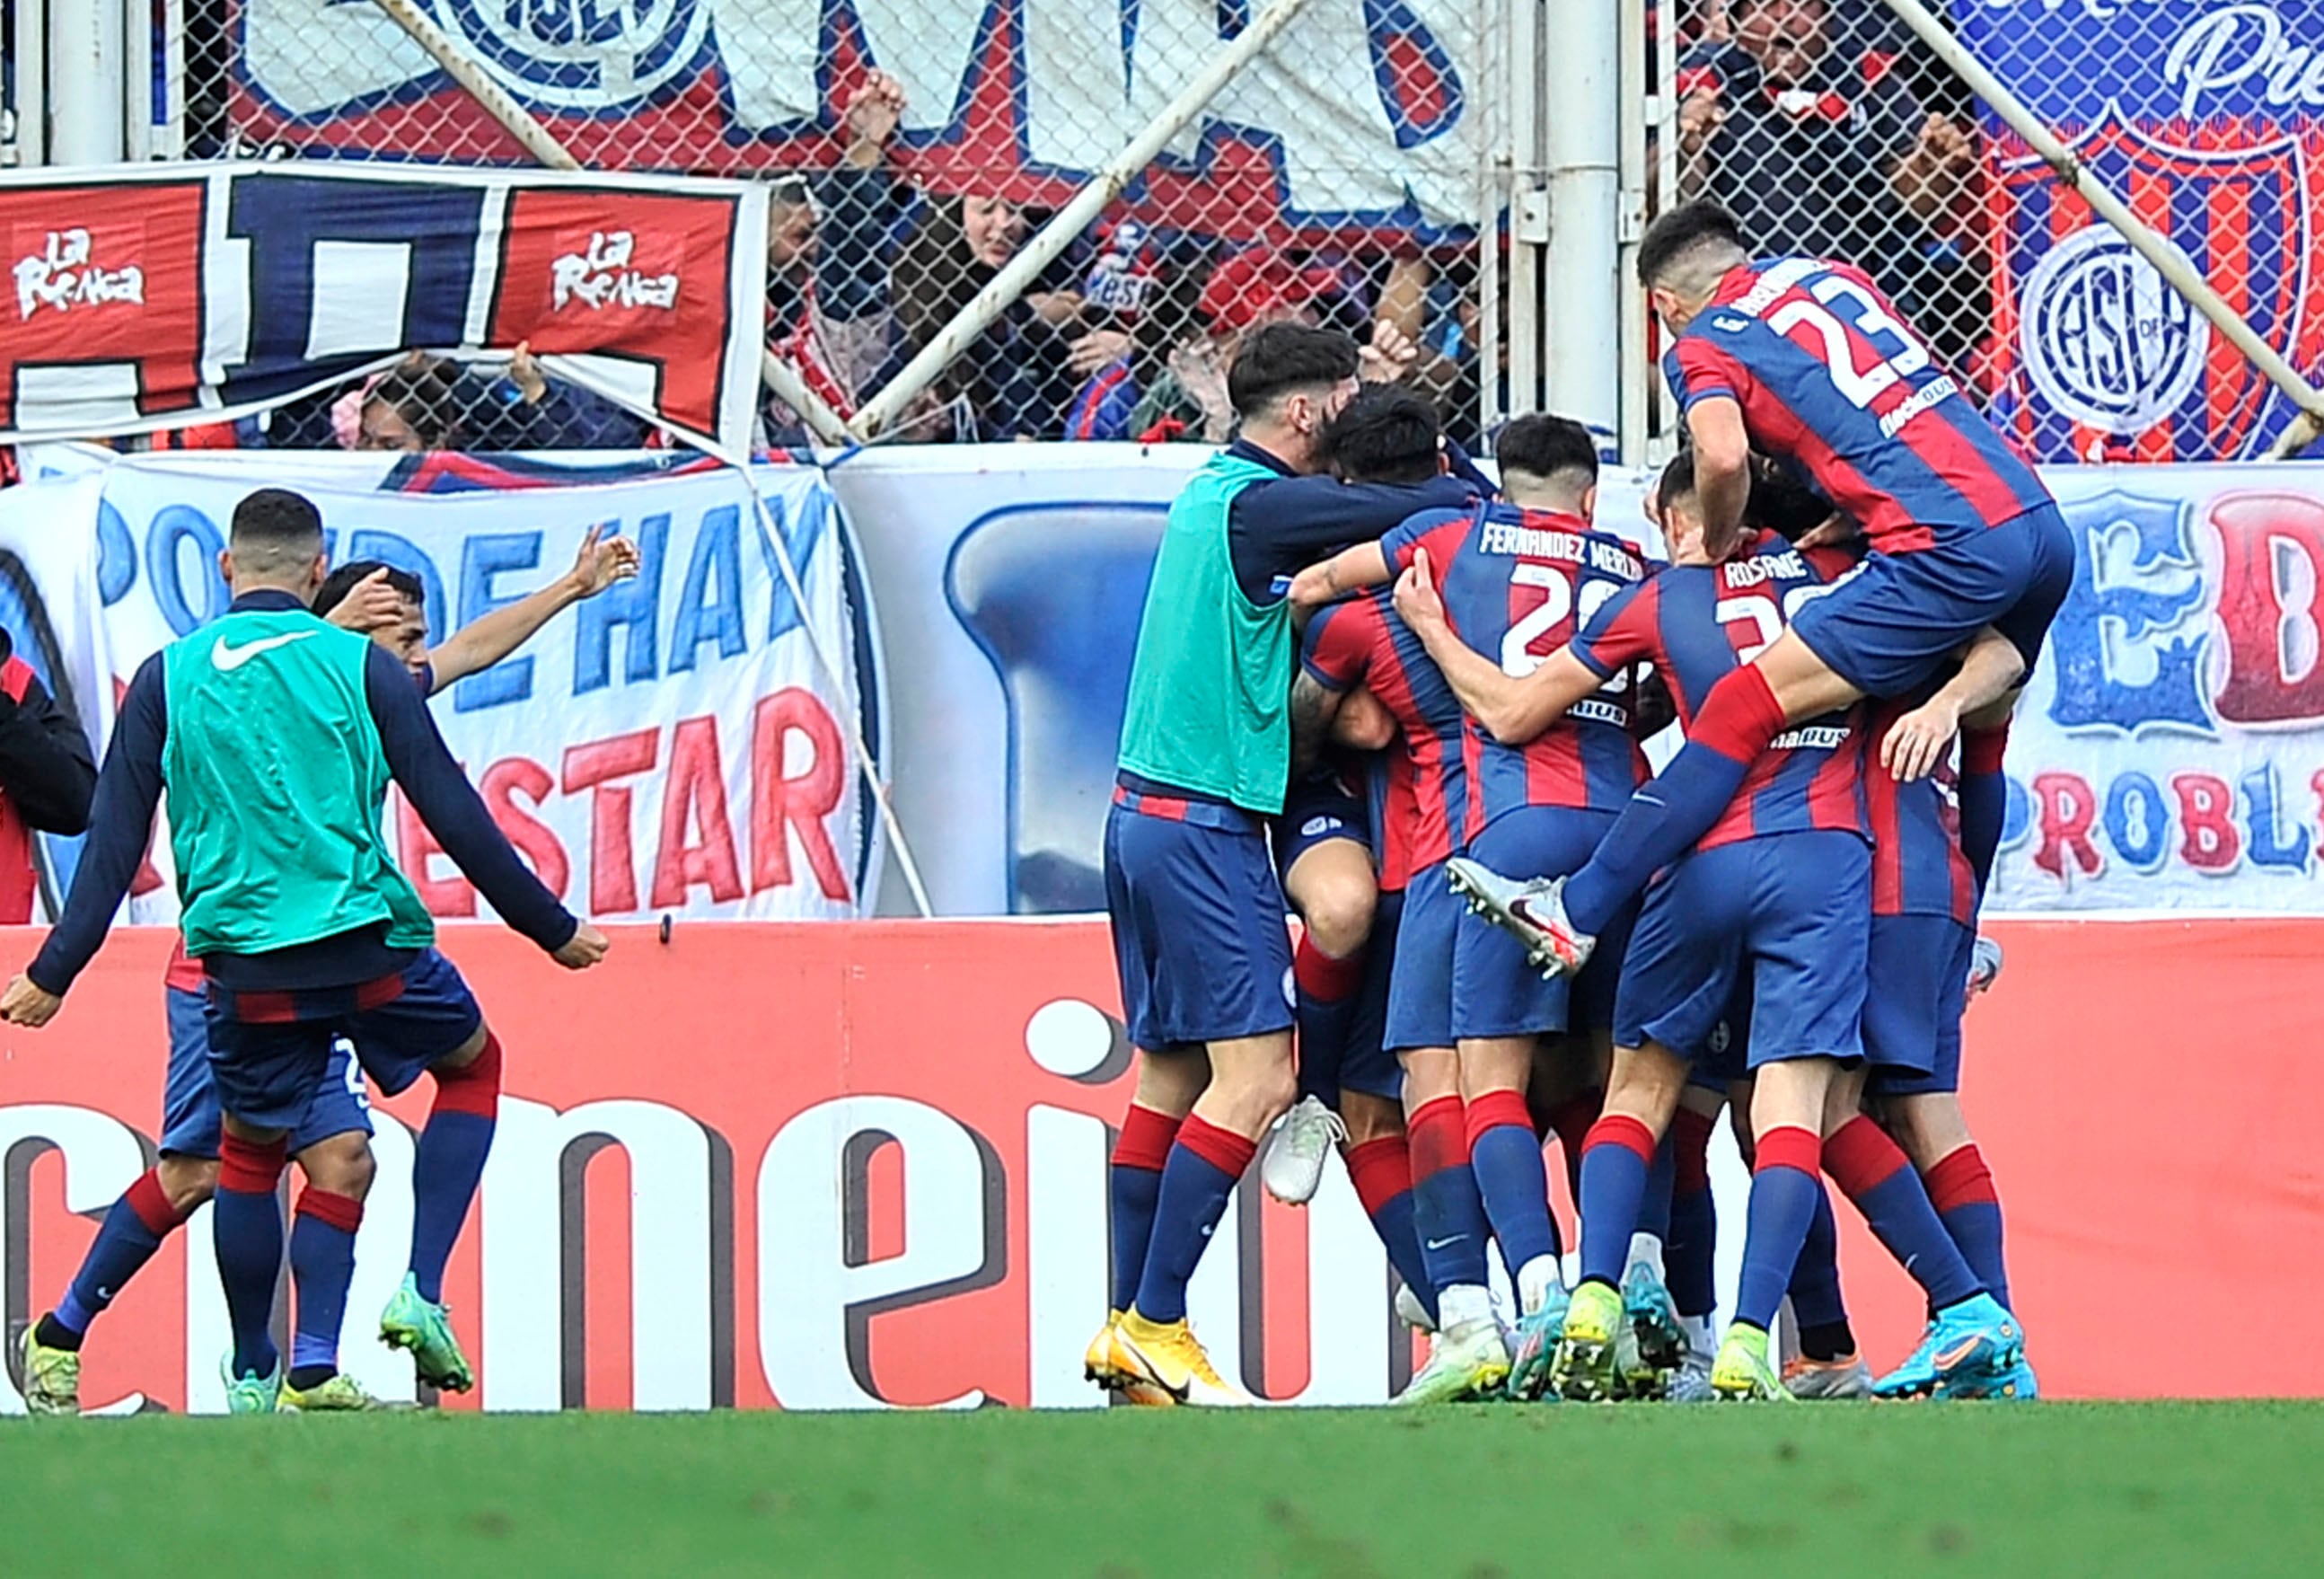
pixel 1815 1490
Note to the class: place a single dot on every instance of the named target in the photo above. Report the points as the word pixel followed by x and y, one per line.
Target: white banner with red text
pixel 671 746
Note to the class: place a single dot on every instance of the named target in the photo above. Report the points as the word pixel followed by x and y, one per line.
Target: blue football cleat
pixel 1968 1345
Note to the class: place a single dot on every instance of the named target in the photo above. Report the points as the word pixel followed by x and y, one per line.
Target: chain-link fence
pixel 1831 128
pixel 914 147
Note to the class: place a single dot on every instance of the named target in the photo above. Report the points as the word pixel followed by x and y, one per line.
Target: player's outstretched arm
pixel 121 821
pixel 483 642
pixel 1722 469
pixel 450 807
pixel 1989 669
pixel 1350 570
pixel 46 767
pixel 1513 709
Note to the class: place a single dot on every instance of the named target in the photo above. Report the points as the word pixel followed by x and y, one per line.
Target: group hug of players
pixel 1522 932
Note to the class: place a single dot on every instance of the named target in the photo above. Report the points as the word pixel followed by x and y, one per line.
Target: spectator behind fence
pixel 1015 378
pixel 827 250
pixel 425 403
pixel 1819 148
pixel 1245 292
pixel 1139 304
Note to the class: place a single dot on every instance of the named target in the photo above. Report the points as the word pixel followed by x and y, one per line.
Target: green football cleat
pixel 1466 1360
pixel 52 1377
pixel 339 1395
pixel 252 1394
pixel 425 1329
pixel 1536 1348
pixel 1742 1371
pixel 1587 1369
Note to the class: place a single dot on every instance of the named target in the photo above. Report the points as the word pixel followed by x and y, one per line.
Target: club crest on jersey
pixel 2104 343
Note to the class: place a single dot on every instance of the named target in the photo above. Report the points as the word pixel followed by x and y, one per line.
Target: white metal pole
pixel 1640 108
pixel 1493 134
pixel 1528 204
pixel 1582 114
pixel 86 79
pixel 2177 271
pixel 539 141
pixel 1071 220
pixel 137 78
pixel 32 82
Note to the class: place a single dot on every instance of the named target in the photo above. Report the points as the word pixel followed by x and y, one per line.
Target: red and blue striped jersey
pixel 1698 623
pixel 1517 584
pixel 1362 642
pixel 1829 376
pixel 1917 865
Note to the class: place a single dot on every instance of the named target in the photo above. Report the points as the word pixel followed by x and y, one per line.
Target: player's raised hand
pixel 28 1005
pixel 371 604
pixel 602 560
pixel 1919 740
pixel 585 948
pixel 1416 603
pixel 1390 356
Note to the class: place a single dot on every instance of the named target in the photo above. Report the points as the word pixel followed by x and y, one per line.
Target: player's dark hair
pixel 1546 446
pixel 1783 502
pixel 1676 483
pixel 1678 232
pixel 1286 357
pixel 1387 434
pixel 342 581
pixel 276 531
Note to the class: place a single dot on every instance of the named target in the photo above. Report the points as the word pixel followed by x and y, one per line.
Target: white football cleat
pixel 1464 1362
pixel 1533 911
pixel 1293 1168
pixel 1410 1311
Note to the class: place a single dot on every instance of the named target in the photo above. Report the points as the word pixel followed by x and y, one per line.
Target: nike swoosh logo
pixel 1181 1393
pixel 226 658
pixel 1441 1244
pixel 1946 1359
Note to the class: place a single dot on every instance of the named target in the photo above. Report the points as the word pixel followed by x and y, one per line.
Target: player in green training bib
pixel 275 735
pixel 1197 910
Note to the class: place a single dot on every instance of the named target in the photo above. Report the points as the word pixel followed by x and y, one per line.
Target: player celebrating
pixel 275 734
pixel 1195 907
pixel 1516 575
pixel 1776 897
pixel 331 1143
pixel 1804 359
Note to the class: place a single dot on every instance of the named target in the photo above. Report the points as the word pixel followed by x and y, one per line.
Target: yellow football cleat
pixel 1588 1366
pixel 52 1377
pixel 1169 1355
pixel 1106 1364
pixel 1742 1371
pixel 341 1394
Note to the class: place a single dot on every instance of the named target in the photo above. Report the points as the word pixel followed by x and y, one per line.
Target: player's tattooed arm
pixel 1313 706
pixel 483 642
pixel 1990 669
pixel 1722 470
pixel 1365 565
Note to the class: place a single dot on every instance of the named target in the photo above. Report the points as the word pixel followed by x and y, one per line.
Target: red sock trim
pixel 1961 1179
pixel 1739 716
pixel 1572 1119
pixel 1789 1146
pixel 1223 1150
pixel 1494 1109
pixel 1382 1169
pixel 1145 1139
pixel 1691 1140
pixel 1622 1130
pixel 1861 1158
pixel 1983 749
pixel 151 1202
pixel 344 1212
pixel 1325 977
pixel 474 1087
pixel 1437 1137
pixel 247 1167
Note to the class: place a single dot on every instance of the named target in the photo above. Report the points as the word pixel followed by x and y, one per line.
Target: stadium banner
pixel 2169 755
pixel 671 746
pixel 863 1166
pixel 147 296
pixel 1356 120
pixel 2203 116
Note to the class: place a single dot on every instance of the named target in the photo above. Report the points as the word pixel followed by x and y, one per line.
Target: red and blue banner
pixel 2203 118
pixel 146 297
